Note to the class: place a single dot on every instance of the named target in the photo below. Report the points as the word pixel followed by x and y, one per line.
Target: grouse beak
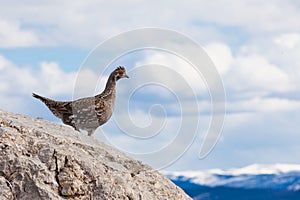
pixel 126 76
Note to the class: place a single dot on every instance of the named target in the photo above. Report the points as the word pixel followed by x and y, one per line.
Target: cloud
pixel 4 63
pixel 177 76
pixel 221 56
pixel 141 137
pixel 255 74
pixel 263 105
pixel 254 16
pixel 279 54
pixel 247 74
pixel 289 40
pixel 47 79
pixel 248 79
pixel 53 80
pixel 85 24
pixel 11 35
pixel 14 79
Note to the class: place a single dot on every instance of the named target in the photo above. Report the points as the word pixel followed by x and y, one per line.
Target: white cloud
pixel 255 73
pixel 257 104
pixel 53 80
pixel 143 132
pixel 246 74
pixel 48 79
pixel 4 63
pixel 221 56
pixel 14 79
pixel 179 75
pixel 18 82
pixel 11 35
pixel 280 50
pixel 254 16
pixel 88 23
pixel 237 119
pixel 289 40
pixel 88 83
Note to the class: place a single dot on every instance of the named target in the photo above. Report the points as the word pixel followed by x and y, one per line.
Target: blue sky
pixel 254 45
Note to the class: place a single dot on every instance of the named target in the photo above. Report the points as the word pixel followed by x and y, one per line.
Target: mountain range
pixel 257 181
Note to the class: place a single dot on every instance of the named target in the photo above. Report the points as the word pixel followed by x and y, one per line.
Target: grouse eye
pixel 118 76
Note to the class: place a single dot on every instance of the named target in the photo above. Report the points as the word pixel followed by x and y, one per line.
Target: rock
pixel 44 160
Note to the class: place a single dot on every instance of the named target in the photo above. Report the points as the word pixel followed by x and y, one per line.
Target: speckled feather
pixel 87 113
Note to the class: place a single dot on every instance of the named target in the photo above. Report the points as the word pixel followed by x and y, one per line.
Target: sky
pixel 66 50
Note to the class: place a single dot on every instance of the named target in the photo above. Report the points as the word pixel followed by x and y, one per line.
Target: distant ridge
pixel 257 181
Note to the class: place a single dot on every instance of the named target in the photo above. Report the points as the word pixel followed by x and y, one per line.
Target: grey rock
pixel 44 160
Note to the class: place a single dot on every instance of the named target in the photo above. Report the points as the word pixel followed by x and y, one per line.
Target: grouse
pixel 87 113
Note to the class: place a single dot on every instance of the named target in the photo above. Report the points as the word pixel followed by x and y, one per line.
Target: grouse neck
pixel 110 85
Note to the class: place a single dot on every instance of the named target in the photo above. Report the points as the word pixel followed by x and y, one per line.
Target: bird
pixel 87 113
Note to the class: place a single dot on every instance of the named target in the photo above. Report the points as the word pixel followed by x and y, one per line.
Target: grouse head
pixel 119 73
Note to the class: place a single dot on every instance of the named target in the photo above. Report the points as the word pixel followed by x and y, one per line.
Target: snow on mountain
pixel 275 176
pixel 256 169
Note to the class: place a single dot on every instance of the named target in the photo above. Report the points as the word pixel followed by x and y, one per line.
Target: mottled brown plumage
pixel 87 113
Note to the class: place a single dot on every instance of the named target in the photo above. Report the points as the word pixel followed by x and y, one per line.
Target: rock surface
pixel 43 160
